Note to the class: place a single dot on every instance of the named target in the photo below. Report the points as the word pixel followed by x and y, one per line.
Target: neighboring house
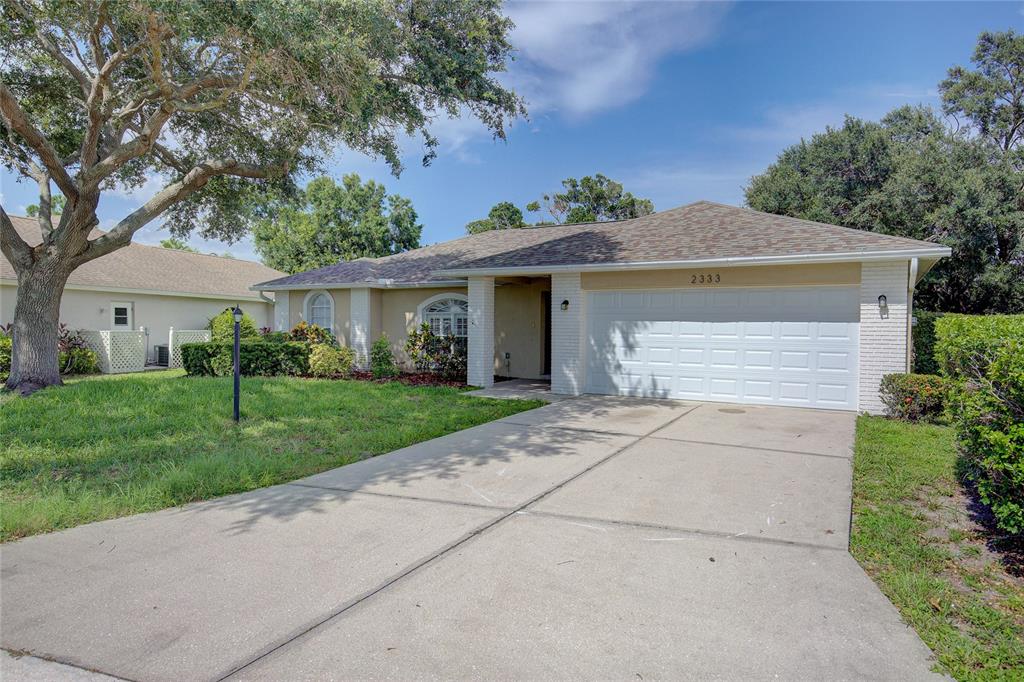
pixel 705 302
pixel 148 287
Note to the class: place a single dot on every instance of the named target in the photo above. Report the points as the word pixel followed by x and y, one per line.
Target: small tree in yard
pixel 229 103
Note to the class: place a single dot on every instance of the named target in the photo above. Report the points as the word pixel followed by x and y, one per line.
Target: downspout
pixel 911 283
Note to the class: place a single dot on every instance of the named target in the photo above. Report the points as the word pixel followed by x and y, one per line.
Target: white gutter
pixel 150 292
pixel 375 284
pixel 852 256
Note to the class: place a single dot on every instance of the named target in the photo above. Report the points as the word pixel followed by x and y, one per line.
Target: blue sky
pixel 678 101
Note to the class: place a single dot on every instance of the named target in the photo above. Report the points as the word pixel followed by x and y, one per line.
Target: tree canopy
pixel 591 199
pixel 328 223
pixel 177 245
pixel 911 175
pixel 229 103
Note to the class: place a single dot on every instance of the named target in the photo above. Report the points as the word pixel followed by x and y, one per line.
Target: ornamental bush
pixel 924 342
pixel 256 358
pixel 443 356
pixel 330 362
pixel 222 326
pixel 983 357
pixel 382 359
pixel 913 397
pixel 312 334
pixel 5 356
pixel 78 361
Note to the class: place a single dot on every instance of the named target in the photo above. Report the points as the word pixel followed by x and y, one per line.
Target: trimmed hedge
pixel 79 361
pixel 382 359
pixel 924 342
pixel 983 356
pixel 913 397
pixel 5 356
pixel 327 361
pixel 256 358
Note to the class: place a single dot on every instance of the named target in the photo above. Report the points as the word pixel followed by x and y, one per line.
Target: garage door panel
pixel 786 346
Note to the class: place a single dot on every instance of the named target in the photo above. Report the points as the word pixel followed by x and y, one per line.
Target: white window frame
pixel 130 305
pixel 421 310
pixel 307 306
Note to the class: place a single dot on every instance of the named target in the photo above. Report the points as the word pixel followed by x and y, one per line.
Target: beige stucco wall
pixel 80 309
pixel 342 299
pixel 398 309
pixel 751 276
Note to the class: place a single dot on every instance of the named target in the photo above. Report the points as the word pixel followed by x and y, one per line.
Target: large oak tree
pixel 228 102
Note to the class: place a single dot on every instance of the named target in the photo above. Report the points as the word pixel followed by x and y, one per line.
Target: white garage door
pixel 787 346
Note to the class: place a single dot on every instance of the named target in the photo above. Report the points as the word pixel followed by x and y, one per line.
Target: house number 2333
pixel 706 278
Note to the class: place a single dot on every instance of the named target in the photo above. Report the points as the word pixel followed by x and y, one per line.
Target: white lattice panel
pixel 117 351
pixel 98 343
pixel 127 351
pixel 179 337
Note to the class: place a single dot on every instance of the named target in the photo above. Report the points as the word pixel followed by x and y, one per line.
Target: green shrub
pixel 256 358
pixel 275 337
pixel 312 334
pixel 924 342
pixel 5 356
pixel 382 359
pixel 328 361
pixel 444 356
pixel 913 397
pixel 983 356
pixel 222 326
pixel 79 361
pixel 964 341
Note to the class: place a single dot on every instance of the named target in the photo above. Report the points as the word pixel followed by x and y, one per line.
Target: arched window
pixel 320 310
pixel 447 316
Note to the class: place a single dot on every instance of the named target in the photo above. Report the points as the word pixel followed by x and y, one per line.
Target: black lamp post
pixel 237 314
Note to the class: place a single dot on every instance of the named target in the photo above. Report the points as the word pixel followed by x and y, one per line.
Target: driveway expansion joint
pixel 698 532
pixel 396 496
pixel 752 447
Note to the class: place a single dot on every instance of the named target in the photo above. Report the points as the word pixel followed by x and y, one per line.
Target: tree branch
pixel 175 192
pixel 50 46
pixel 16 120
pixel 17 251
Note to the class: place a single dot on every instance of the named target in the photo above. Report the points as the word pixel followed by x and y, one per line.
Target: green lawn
pixel 109 446
pixel 912 534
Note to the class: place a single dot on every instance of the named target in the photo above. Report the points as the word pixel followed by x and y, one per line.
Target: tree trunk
pixel 34 362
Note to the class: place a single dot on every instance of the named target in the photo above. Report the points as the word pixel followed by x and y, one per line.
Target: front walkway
pixel 593 538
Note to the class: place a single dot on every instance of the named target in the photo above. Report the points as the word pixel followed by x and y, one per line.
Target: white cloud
pixel 787 124
pixel 584 57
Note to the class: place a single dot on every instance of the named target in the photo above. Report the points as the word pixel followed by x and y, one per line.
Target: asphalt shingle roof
pixel 152 268
pixel 698 231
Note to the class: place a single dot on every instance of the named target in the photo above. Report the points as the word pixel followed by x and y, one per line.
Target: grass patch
pixel 103 447
pixel 914 533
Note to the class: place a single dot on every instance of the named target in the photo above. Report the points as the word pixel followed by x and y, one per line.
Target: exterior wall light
pixel 565 304
pixel 883 306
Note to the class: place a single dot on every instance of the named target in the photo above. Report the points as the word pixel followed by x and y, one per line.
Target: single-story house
pixel 704 302
pixel 148 288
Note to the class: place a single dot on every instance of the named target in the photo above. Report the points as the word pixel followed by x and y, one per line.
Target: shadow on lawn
pixel 432 470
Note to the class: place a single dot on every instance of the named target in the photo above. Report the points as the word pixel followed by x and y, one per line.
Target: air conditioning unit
pixel 163 355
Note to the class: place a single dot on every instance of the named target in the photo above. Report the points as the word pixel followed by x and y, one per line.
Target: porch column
pixel 480 371
pixel 359 326
pixel 567 334
pixel 281 313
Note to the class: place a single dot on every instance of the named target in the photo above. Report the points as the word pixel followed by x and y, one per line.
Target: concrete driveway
pixel 593 538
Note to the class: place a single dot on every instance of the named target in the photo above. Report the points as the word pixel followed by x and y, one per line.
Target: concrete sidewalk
pixel 595 537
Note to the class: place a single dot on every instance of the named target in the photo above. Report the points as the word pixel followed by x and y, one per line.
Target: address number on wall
pixel 706 278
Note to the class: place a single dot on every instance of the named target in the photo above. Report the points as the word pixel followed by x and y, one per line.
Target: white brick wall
pixel 883 340
pixel 281 317
pixel 567 334
pixel 480 360
pixel 359 326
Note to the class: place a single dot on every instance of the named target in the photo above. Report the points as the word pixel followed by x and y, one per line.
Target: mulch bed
pixel 409 379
